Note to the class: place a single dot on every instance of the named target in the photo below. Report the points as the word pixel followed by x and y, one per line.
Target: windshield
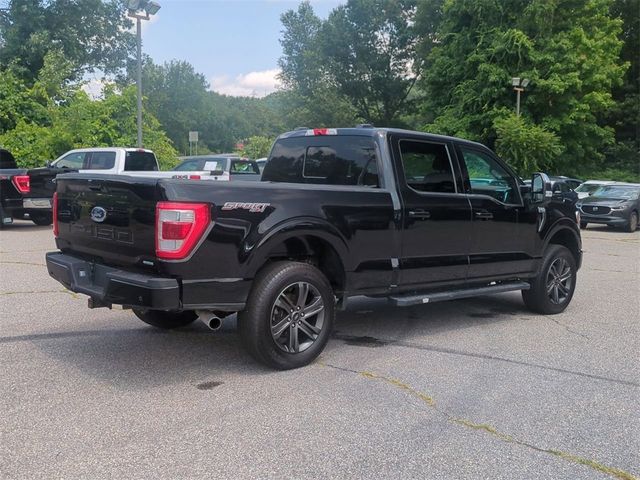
pixel 617 191
pixel 588 187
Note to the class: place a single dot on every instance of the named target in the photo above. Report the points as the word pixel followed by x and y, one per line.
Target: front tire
pixel 289 315
pixel 552 290
pixel 166 320
pixel 632 226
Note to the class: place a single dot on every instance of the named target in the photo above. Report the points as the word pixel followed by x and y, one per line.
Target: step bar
pixel 421 298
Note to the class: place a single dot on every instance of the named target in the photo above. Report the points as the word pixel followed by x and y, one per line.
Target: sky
pixel 233 43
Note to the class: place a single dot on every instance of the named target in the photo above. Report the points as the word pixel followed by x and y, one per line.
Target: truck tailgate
pixel 107 216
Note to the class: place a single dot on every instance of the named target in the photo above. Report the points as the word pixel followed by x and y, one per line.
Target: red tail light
pixel 179 228
pixel 194 177
pixel 22 183
pixel 54 202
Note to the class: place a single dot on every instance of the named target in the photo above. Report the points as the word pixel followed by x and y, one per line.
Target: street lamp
pixel 519 84
pixel 140 10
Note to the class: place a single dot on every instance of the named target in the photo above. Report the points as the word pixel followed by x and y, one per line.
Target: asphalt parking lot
pixel 471 389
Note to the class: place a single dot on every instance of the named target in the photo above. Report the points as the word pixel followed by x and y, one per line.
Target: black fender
pixel 297 228
pixel 565 226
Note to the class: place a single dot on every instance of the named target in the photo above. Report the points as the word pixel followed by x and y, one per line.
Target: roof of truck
pixel 368 131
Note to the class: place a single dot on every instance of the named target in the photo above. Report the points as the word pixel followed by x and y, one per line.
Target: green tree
pixel 311 97
pixel 256 147
pixel 90 33
pixel 568 48
pixel 82 122
pixel 528 148
pixel 370 47
pixel 624 116
pixel 302 63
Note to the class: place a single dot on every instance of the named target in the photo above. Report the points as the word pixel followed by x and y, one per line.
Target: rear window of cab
pixel 324 160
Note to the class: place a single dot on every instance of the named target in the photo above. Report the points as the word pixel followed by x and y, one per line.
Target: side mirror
pixel 541 192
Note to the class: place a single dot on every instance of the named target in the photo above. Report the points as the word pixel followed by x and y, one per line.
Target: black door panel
pixel 436 218
pixel 501 228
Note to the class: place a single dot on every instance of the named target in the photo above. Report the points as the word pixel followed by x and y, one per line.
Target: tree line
pixel 443 66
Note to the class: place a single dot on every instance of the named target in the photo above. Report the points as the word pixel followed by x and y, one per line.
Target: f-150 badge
pixel 252 207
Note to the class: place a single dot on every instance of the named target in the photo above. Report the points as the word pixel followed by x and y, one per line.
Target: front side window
pixel 427 167
pixel 488 177
pixel 74 161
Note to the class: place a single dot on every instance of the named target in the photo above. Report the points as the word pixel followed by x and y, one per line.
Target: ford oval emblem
pixel 98 214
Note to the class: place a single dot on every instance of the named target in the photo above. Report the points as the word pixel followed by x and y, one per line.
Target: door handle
pixel 424 214
pixel 484 215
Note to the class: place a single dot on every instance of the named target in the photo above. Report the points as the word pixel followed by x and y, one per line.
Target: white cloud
pixel 252 84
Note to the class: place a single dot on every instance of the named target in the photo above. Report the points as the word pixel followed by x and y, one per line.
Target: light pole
pixel 519 84
pixel 140 10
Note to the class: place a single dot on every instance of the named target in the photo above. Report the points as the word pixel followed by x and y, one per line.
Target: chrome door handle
pixel 420 214
pixel 484 215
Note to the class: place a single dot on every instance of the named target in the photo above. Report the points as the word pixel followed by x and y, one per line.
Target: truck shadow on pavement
pixel 145 357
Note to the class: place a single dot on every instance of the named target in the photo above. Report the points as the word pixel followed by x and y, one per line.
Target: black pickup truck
pixel 24 191
pixel 414 217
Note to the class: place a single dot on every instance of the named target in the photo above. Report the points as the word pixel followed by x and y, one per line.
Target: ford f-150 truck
pixel 414 217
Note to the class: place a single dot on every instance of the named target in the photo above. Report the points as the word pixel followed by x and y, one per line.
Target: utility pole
pixel 140 10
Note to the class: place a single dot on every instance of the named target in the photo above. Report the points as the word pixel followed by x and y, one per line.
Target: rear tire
pixel 41 219
pixel 289 315
pixel 552 290
pixel 632 226
pixel 166 320
pixel 583 225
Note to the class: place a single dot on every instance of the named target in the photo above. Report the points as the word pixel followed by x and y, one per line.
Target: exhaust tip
pixel 210 319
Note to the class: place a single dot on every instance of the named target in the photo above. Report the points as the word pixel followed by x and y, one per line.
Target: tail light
pixel 179 228
pixel 54 206
pixel 22 183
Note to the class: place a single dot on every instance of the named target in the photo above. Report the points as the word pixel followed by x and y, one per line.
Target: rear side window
pixel 325 160
pixel 427 167
pixel 140 162
pixel 240 167
pixel 102 160
pixel 191 166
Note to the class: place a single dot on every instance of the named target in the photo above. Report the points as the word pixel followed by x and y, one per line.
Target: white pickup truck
pixel 137 162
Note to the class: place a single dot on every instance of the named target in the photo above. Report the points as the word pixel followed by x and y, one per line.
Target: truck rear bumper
pixel 109 285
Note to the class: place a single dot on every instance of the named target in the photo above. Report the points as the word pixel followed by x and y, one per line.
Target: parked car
pixel 573 183
pixel 222 167
pixel 339 212
pixel 590 186
pixel 615 205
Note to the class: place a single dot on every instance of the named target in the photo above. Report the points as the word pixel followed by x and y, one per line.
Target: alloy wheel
pixel 297 317
pixel 559 281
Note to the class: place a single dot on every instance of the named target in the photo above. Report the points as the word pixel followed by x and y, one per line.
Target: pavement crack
pixel 486 428
pixel 355 340
pixel 567 328
pixel 23 263
pixel 64 290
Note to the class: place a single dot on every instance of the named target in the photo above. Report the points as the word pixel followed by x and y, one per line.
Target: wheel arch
pixel 317 243
pixel 567 237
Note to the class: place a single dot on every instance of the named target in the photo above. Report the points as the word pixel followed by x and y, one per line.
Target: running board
pixel 407 300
